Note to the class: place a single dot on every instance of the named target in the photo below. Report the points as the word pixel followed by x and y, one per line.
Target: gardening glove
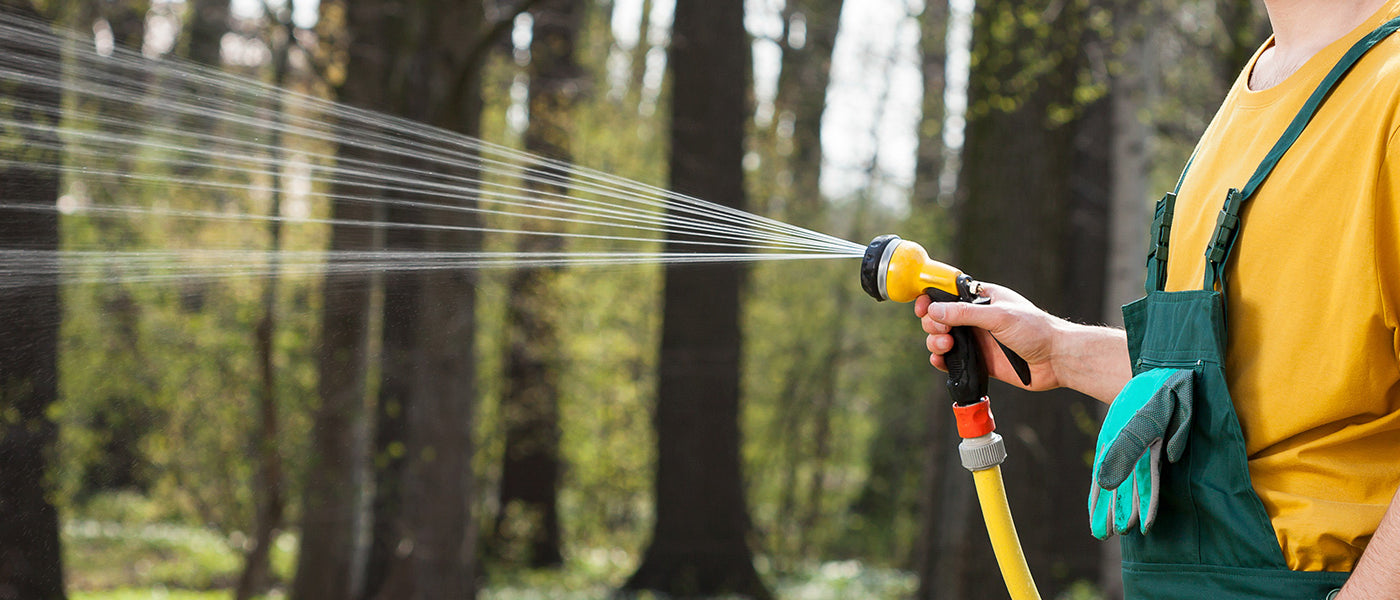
pixel 1153 406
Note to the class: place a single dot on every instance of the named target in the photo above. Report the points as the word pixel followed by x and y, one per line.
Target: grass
pixel 119 549
pixel 150 594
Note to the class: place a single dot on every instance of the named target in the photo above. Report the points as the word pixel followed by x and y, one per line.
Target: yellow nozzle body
pixel 909 271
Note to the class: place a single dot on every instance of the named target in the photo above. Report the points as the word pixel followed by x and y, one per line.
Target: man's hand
pixel 1092 360
pixel 1010 318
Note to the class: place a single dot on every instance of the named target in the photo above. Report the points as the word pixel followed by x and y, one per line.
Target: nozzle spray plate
pixel 873 264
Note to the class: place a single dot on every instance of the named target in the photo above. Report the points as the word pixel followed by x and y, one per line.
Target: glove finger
pixel 1099 508
pixel 1147 505
pixel 1125 516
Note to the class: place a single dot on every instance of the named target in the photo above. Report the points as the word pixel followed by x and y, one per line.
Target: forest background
pixel 539 433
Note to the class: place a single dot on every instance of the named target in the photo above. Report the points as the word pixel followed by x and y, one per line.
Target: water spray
pixel 183 145
pixel 900 270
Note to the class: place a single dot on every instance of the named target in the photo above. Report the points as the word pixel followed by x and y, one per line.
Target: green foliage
pixel 159 378
pixel 610 324
pixel 1082 590
pixel 1031 46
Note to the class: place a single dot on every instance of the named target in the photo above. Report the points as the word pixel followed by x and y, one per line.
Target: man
pixel 1304 283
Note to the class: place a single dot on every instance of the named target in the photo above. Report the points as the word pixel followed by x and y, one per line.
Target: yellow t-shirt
pixel 1313 295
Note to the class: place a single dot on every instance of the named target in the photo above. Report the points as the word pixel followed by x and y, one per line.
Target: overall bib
pixel 1212 537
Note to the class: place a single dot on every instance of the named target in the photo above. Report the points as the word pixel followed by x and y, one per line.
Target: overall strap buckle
pixel 1161 232
pixel 1227 225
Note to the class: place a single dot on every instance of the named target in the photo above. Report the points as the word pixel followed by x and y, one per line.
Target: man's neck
pixel 1302 28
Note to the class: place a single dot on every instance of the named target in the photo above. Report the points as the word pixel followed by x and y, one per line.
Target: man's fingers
pixel 939 344
pixel 952 314
pixel 934 327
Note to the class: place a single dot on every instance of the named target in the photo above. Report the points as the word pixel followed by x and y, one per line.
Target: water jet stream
pixel 141 127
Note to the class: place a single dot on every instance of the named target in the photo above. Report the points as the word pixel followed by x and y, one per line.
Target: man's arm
pixel 1092 360
pixel 1377 576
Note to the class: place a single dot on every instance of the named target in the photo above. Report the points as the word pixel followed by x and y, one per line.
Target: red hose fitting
pixel 974 420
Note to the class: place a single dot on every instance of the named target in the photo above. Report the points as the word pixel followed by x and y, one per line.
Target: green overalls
pixel 1212 537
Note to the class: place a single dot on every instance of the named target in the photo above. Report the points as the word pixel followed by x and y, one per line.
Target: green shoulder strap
pixel 1227 224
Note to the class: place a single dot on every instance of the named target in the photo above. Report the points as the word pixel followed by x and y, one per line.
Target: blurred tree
pixel 801 95
pixel 400 355
pixel 269 497
pixel 1030 213
pixel 331 502
pixel 928 161
pixel 1130 207
pixel 1243 26
pixel 124 415
pixel 527 522
pixel 637 69
pixel 208 22
pixel 895 476
pixel 127 18
pixel 699 541
pixel 804 75
pixel 425 547
pixel 30 562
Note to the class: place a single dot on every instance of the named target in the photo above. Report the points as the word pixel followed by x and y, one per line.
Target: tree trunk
pixel 127 18
pixel 927 202
pixel 336 461
pixel 400 353
pixel 398 360
pixel 1130 205
pixel 699 544
pixel 423 523
pixel 256 577
pixel 928 162
pixel 802 90
pixel 326 560
pixel 209 21
pixel 638 69
pixel 1030 215
pixel 527 526
pixel 31 565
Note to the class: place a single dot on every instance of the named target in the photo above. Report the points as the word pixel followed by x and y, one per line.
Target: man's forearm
pixel 1378 574
pixel 1092 360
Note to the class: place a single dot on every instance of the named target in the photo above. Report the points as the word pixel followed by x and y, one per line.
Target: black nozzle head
pixel 870 265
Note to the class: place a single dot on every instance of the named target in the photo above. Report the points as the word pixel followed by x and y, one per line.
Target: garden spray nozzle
pixel 901 270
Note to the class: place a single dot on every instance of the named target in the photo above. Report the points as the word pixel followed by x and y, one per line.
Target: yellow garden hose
pixel 991 494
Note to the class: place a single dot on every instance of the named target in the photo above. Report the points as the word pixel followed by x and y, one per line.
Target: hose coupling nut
pixel 974 420
pixel 982 453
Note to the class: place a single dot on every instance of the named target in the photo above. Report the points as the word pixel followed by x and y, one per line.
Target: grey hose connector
pixel 981 453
